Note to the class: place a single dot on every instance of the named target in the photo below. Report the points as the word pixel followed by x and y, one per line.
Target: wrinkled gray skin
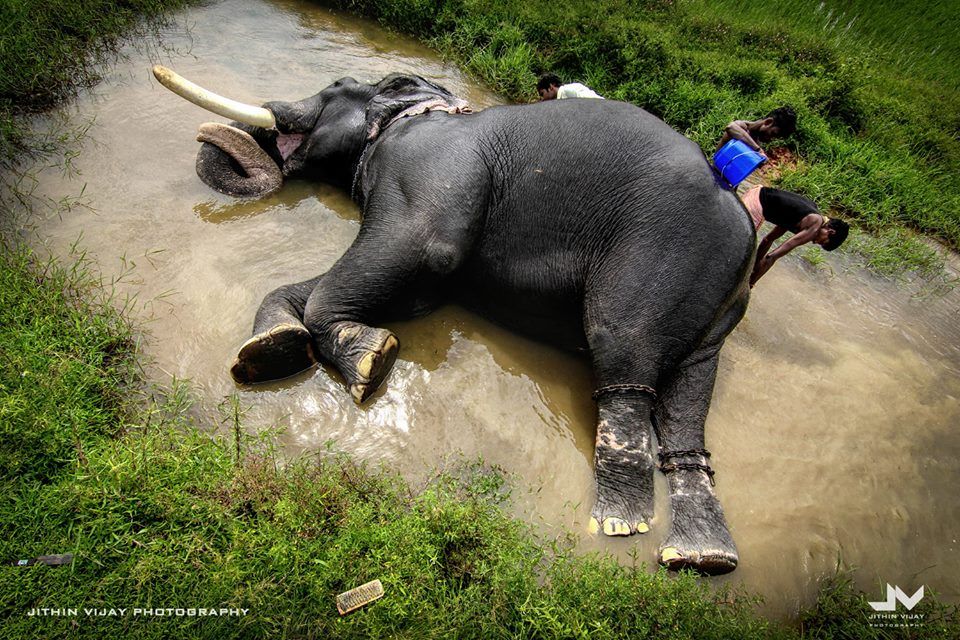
pixel 587 223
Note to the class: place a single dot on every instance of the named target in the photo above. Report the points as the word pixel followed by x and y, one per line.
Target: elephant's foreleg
pixel 362 354
pixel 385 263
pixel 281 345
pixel 698 537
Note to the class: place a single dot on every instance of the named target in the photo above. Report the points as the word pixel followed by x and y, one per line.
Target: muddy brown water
pixel 834 426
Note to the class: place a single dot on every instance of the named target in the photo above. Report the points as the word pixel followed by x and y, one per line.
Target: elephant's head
pixel 321 137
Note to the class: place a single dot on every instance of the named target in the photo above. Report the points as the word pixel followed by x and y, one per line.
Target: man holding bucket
pixel 739 151
pixel 779 123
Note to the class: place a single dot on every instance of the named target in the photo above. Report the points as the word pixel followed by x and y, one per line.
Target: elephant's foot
pixel 698 538
pixel 624 473
pixel 364 355
pixel 278 353
pixel 624 505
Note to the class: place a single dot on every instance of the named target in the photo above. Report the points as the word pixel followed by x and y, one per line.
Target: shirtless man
pixel 779 123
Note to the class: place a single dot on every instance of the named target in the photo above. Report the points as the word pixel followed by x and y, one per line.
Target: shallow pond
pixel 835 421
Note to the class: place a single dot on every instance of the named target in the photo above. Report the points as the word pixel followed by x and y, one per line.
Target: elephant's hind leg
pixel 281 345
pixel 625 362
pixel 623 463
pixel 698 538
pixel 639 326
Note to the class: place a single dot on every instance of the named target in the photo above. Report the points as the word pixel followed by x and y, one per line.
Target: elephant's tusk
pixel 248 114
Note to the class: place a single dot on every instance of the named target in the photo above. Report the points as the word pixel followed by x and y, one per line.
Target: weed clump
pixel 51 48
pixel 57 388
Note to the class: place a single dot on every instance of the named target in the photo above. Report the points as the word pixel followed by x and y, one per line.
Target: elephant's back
pixel 597 170
pixel 608 133
pixel 585 184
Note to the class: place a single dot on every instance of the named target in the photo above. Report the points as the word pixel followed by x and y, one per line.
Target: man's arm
pixel 763 261
pixel 809 227
pixel 738 129
pixel 760 267
pixel 808 231
pixel 768 241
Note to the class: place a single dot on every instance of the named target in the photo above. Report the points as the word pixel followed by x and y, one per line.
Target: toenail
pixel 615 527
pixel 357 391
pixel 670 553
pixel 365 367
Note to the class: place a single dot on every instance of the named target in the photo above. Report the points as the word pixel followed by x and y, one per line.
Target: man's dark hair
pixel 840 231
pixel 784 119
pixel 547 80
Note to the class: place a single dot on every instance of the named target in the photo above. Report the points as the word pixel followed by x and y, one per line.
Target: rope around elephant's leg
pixel 620 388
pixel 670 467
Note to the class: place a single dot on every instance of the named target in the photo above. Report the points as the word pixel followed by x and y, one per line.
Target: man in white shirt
pixel 550 87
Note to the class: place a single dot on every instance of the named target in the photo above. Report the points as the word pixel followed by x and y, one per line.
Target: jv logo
pixel 894 595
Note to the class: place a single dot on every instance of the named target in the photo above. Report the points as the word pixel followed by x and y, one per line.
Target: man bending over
pixel 794 213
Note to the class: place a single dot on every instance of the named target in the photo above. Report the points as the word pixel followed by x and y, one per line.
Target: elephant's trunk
pixel 234 162
pixel 248 114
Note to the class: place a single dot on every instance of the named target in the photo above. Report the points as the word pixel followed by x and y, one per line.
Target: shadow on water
pixel 833 425
pixel 295 192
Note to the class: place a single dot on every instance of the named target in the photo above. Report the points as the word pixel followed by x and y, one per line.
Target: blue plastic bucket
pixel 735 161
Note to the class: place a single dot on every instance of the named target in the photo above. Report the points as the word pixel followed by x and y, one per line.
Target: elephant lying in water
pixel 587 223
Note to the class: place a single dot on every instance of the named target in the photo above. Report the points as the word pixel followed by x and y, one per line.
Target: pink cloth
pixel 751 200
pixel 434 104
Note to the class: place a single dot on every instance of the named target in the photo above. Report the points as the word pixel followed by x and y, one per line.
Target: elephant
pixel 588 224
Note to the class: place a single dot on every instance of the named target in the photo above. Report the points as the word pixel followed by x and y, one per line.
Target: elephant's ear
pixel 399 95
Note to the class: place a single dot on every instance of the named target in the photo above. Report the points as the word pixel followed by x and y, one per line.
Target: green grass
pixel 62 369
pixel 899 37
pixel 875 86
pixel 49 48
pixel 830 617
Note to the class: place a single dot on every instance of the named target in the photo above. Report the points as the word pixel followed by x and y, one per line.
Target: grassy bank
pixel 875 86
pixel 50 48
pixel 160 515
